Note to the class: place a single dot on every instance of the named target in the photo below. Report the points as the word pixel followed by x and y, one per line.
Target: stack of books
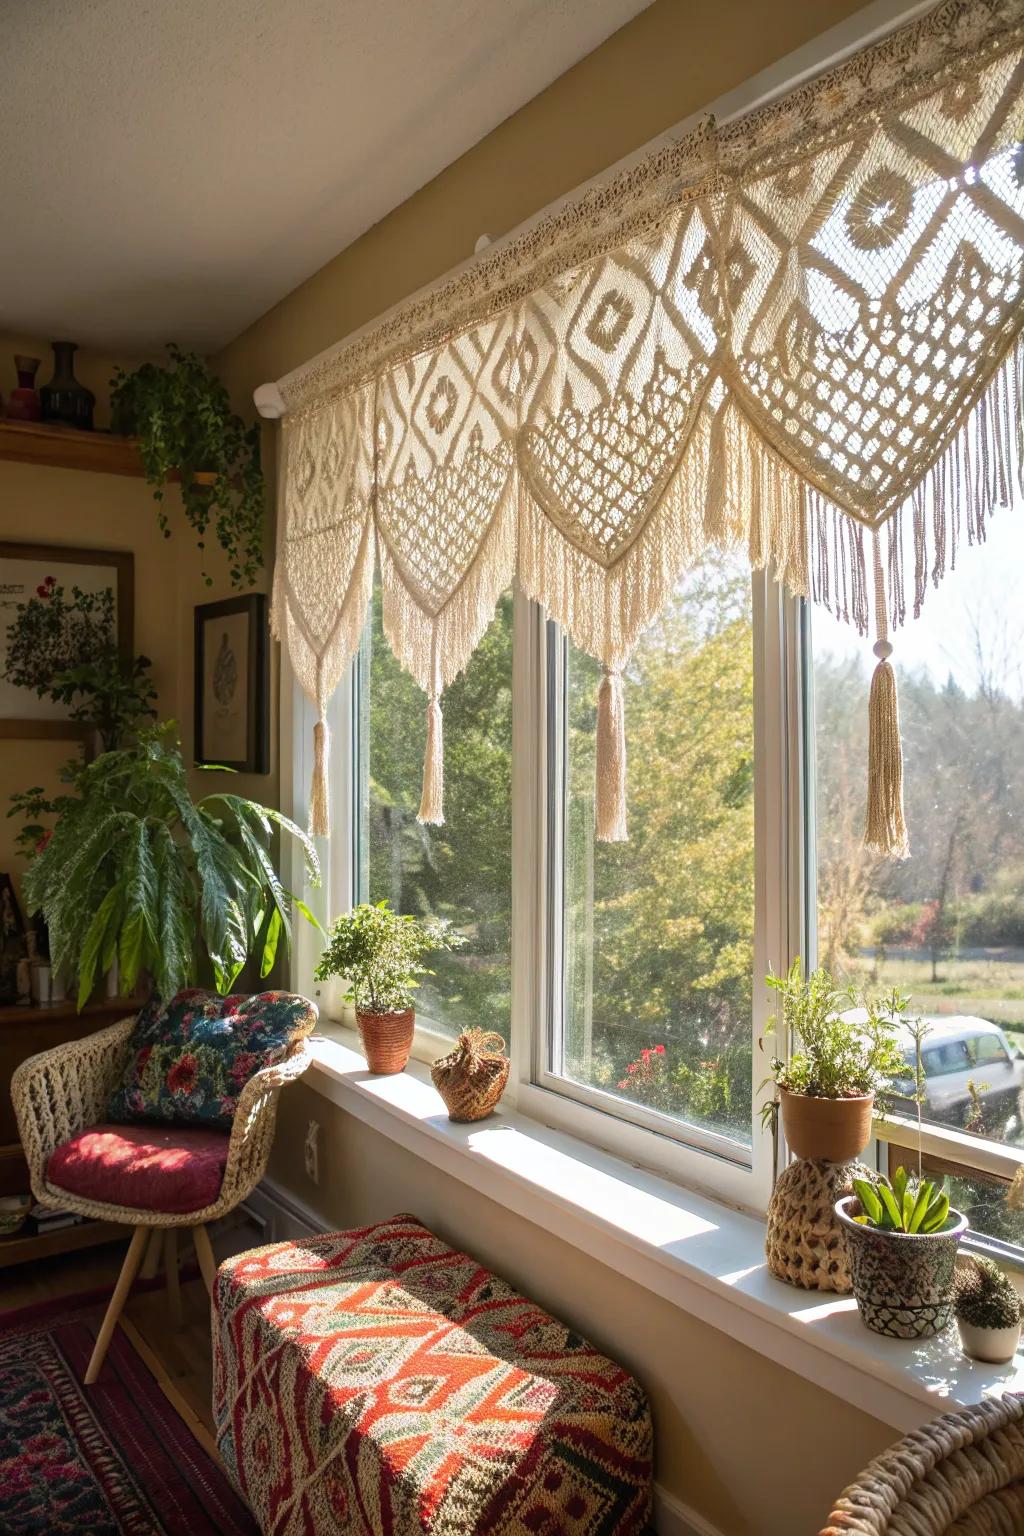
pixel 44 1219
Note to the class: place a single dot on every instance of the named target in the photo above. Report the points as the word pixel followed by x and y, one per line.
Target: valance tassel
pixel 610 799
pixel 319 795
pixel 885 829
pixel 431 809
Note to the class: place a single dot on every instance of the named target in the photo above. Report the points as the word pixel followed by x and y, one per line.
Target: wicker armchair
pixel 61 1092
pixel 961 1475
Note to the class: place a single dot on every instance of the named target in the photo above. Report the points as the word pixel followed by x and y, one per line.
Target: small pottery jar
pixel 996 1346
pixel 64 400
pixel 23 403
pixel 387 1039
pixel 832 1130
pixel 903 1281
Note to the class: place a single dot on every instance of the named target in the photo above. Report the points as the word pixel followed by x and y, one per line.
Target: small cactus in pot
pixel 988 1310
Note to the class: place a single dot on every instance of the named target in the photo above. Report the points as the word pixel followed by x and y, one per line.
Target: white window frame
pixel 685 1152
pixel 784 842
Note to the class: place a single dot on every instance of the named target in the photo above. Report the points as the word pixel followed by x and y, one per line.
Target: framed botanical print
pixel 59 606
pixel 231 684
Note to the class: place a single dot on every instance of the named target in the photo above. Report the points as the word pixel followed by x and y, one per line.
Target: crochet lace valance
pixel 797 335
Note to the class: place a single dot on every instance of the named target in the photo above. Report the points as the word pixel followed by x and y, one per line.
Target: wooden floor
pixel 179 1357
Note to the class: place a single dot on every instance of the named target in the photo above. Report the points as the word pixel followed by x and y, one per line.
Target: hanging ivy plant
pixel 183 419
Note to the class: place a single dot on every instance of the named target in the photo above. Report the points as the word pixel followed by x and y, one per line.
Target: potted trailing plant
pixel 183 419
pixel 901 1240
pixel 839 1067
pixel 379 953
pixel 135 870
pixel 988 1310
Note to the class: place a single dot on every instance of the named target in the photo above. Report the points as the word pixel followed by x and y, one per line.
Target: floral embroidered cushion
pixel 191 1058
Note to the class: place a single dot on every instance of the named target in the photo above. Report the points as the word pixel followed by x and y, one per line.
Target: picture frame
pixel 25 569
pixel 232 685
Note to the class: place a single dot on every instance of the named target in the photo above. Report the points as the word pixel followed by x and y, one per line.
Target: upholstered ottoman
pixel 379 1382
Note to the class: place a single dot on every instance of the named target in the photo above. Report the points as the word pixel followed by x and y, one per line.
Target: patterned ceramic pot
pixel 903 1281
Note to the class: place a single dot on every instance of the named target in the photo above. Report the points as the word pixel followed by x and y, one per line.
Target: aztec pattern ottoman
pixel 378 1382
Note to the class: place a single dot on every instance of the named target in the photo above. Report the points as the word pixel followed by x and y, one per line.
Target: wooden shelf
pixel 31 442
pixel 19 1249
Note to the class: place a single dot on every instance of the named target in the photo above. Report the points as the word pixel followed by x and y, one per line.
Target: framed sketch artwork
pixel 58 607
pixel 231 684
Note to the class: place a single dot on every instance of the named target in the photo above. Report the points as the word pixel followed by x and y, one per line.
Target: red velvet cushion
pixel 147 1167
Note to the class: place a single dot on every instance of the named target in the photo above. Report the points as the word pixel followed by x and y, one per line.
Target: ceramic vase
pixel 64 400
pixel 23 403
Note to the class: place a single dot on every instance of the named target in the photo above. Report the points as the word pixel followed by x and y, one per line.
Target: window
pixel 651 1012
pixel 946 926
pixel 460 871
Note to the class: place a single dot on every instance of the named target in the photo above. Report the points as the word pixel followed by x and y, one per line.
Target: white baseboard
pixel 674 1518
pixel 282 1217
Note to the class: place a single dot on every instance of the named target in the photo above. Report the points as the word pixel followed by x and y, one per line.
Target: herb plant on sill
pixel 379 953
pixel 183 419
pixel 839 1067
pixel 136 870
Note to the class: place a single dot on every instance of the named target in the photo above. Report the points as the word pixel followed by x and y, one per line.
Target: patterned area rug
pixel 108 1459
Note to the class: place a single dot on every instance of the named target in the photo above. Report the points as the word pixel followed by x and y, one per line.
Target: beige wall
pixel 671 61
pixel 753 1448
pixel 40 504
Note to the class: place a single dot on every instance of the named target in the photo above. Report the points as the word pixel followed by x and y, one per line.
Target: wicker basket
pixel 387 1039
pixel 472 1078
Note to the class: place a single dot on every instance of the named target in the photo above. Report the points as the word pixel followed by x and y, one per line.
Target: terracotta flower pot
pixel 387 1039
pixel 903 1281
pixel 996 1346
pixel 833 1130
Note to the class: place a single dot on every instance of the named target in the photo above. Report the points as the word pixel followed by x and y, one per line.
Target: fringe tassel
pixel 431 809
pixel 885 829
pixel 319 790
pixel 610 798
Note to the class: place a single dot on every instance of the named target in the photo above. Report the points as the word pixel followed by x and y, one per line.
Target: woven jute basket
pixel 387 1039
pixel 471 1079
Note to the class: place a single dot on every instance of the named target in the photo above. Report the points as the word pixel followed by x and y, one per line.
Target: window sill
pixel 703 1256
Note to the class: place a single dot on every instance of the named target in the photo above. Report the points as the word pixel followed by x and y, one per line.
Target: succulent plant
pixel 985 1296
pixel 906 1205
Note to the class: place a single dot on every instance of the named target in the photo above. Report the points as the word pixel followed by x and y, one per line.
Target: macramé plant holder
pixel 472 1078
pixel 805 1244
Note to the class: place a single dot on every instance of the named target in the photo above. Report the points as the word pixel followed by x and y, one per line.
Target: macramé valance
pixel 797 335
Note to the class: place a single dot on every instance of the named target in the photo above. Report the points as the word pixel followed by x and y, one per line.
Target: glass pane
pixel 658 931
pixel 460 871
pixel 946 925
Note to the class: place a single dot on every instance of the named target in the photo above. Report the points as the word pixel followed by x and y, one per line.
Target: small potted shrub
pixel 901 1240
pixel 988 1310
pixel 838 1067
pixel 379 953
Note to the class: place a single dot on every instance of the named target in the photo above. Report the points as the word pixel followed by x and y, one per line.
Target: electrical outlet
pixel 312 1152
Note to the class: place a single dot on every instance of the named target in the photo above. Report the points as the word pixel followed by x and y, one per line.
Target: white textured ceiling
pixel 171 168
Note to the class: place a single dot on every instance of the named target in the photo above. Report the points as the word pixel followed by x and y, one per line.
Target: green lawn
pixel 989 987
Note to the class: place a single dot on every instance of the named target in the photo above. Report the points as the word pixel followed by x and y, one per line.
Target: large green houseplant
pixel 183 419
pixel 136 870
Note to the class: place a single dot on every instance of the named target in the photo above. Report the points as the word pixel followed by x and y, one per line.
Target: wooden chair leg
pixel 173 1285
pixel 204 1253
pixel 153 1250
pixel 133 1258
